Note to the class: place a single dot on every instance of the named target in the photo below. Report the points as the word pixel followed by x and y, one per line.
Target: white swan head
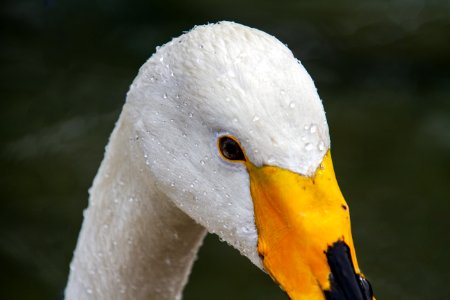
pixel 219 80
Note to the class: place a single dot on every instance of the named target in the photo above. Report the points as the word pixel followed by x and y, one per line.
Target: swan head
pixel 233 128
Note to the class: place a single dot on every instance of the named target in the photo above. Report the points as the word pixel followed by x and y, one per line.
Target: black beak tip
pixel 346 284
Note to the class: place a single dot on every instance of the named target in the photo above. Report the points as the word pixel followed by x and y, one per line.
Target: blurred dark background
pixel 382 68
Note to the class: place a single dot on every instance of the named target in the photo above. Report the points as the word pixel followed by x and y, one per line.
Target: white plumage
pixel 162 180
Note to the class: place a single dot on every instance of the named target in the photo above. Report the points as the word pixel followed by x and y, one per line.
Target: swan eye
pixel 230 149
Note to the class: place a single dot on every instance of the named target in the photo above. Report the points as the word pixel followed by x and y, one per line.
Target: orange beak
pixel 304 233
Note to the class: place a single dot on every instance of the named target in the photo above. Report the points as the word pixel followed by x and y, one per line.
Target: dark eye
pixel 230 149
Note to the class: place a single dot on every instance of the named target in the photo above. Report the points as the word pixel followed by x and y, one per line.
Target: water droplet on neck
pixel 308 146
pixel 255 118
pixel 313 128
pixel 292 105
pixel 282 92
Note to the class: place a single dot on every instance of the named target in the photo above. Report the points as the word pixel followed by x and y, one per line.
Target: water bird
pixel 222 131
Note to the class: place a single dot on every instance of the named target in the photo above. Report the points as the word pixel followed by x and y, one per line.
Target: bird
pixel 222 131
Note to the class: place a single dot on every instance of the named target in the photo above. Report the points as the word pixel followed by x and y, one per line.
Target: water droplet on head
pixel 202 162
pixel 165 96
pixel 255 118
pixel 292 105
pixel 282 92
pixel 308 146
pixel 89 291
pixel 321 146
pixel 313 128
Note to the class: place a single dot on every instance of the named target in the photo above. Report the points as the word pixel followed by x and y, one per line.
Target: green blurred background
pixel 382 68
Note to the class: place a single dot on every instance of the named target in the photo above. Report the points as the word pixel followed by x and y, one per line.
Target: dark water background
pixel 382 68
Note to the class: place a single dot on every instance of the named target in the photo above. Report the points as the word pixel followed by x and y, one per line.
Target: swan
pixel 222 131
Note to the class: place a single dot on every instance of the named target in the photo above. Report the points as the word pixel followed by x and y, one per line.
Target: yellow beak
pixel 304 234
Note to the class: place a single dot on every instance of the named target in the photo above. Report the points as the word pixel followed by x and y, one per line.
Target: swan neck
pixel 134 243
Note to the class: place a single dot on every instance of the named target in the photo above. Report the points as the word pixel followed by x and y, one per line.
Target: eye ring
pixel 230 149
